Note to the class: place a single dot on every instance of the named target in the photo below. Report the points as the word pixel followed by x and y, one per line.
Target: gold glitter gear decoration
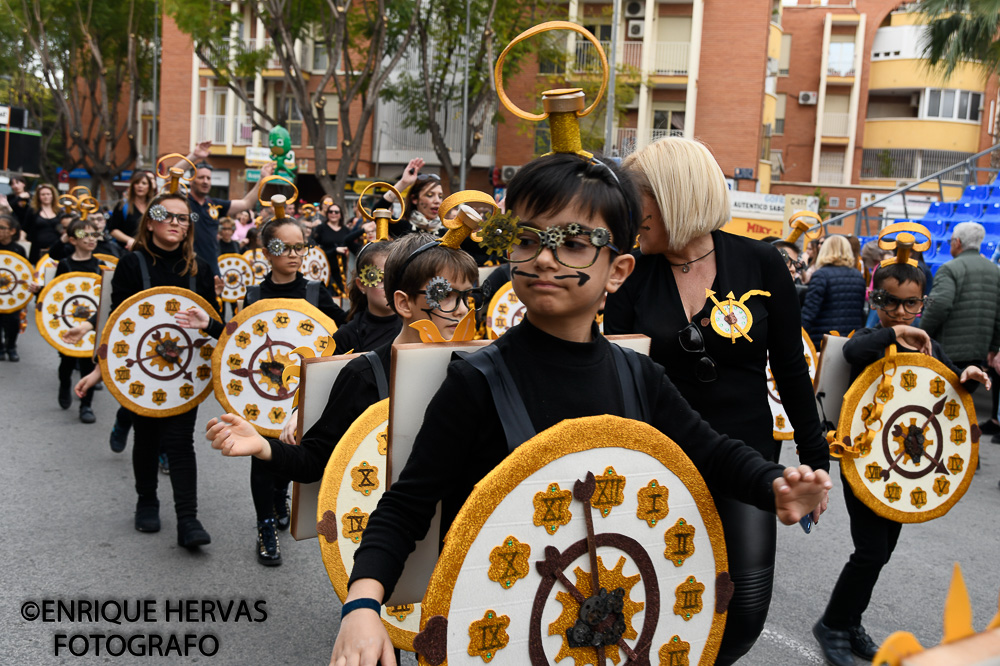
pixel 277 201
pixel 563 107
pixel 174 175
pixel 468 221
pixel 799 227
pixel 904 243
pixel 609 579
pixel 499 233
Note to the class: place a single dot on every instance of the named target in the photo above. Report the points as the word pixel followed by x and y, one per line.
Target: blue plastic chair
pixel 966 212
pixel 975 193
pixel 991 213
pixel 939 210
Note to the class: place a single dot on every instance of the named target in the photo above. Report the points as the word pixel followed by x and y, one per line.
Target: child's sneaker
pixel 282 516
pixel 268 552
pixel 87 415
pixel 12 356
pixel 65 396
pixel 119 437
pixel 164 464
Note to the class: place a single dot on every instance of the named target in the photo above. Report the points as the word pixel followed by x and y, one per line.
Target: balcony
pixel 212 128
pixel 398 144
pixel 671 58
pixel 626 140
pixel 831 169
pixel 242 132
pixel 836 124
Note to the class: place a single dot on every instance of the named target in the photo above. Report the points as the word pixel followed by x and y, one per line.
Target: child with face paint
pixel 427 281
pixel 371 323
pixel 571 217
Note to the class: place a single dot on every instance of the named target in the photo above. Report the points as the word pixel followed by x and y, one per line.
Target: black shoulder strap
pixel 193 283
pixel 630 379
pixel 312 292
pixel 379 371
pixel 510 407
pixel 253 295
pixel 144 270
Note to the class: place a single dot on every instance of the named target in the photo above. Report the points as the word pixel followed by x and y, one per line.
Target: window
pixel 953 104
pixel 779 114
pixel 668 122
pixel 852 202
pixel 834 202
pixel 765 142
pixel 552 55
pixel 840 58
pixel 292 119
pixel 321 57
pixel 786 55
pixel 331 110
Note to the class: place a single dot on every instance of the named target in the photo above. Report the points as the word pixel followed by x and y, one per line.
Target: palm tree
pixel 961 31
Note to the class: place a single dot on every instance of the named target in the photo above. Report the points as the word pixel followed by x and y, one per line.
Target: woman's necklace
pixel 686 266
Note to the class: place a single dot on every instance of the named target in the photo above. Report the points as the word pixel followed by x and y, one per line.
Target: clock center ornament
pixel 907 439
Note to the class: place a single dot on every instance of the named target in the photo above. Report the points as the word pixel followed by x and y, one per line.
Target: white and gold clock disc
pixel 315 265
pixel 237 275
pixel 779 417
pixel 600 497
pixel 44 269
pixel 261 266
pixel 108 260
pixel 151 365
pixel 353 483
pixel 15 279
pixel 504 310
pixel 925 444
pixel 253 352
pixel 68 300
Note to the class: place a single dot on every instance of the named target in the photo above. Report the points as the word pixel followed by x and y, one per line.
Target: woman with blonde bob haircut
pixel 836 297
pixel 719 366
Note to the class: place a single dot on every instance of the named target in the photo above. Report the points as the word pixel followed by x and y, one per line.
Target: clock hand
pixel 584 491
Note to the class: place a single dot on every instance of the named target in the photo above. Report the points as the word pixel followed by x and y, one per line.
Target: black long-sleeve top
pixel 164 271
pixel 43 232
pixel 71 265
pixel 868 345
pixel 557 380
pixel 736 402
pixel 106 245
pixel 354 391
pixel 229 247
pixel 366 332
pixel 20 206
pixel 14 247
pixel 297 289
pixel 125 218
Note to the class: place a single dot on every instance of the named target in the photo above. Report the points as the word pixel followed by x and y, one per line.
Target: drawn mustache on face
pixel 579 275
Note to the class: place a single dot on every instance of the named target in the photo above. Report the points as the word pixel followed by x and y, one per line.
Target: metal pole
pixel 465 100
pixel 609 121
pixel 156 86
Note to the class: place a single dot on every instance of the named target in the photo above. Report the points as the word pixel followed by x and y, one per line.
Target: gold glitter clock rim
pixel 41 314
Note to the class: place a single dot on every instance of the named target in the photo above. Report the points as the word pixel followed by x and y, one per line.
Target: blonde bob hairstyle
pixel 836 251
pixel 687 184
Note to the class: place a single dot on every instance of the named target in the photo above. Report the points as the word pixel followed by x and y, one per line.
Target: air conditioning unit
pixel 809 98
pixel 507 172
pixel 635 9
pixel 636 29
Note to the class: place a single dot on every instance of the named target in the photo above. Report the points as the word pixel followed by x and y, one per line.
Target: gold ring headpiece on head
pixel 276 201
pixel 799 226
pixel 904 242
pixel 174 175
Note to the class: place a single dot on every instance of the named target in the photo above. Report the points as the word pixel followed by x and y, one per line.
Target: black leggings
pixel 10 327
pixel 874 540
pixel 751 535
pixel 266 488
pixel 174 436
pixel 67 364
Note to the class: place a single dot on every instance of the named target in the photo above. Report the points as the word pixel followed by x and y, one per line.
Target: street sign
pixel 253 175
pixel 257 156
pixel 4 115
pixel 744 174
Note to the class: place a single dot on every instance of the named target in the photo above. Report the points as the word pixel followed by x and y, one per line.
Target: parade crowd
pixel 637 244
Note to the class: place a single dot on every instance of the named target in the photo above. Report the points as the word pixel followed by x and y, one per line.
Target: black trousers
pixel 10 327
pixel 874 539
pixel 174 436
pixel 266 488
pixel 67 364
pixel 751 535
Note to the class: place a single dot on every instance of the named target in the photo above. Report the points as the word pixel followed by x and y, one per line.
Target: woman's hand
pixel 34 287
pixel 409 177
pixel 976 373
pixel 913 337
pixel 219 285
pixel 235 437
pixel 288 432
pixel 800 491
pixel 193 317
pixel 88 382
pixel 75 334
pixel 342 250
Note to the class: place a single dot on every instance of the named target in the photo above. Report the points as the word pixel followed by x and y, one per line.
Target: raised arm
pixel 237 206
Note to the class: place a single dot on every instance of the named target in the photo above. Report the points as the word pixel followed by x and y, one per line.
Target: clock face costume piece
pixel 515 582
pixel 237 274
pixel 354 481
pixel 504 311
pixel 916 435
pixel 15 276
pixel 779 418
pixel 150 364
pixel 107 259
pixel 44 270
pixel 66 301
pixel 261 266
pixel 315 265
pixel 253 353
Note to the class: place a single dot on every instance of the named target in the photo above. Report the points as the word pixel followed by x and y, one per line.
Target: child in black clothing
pixel 83 236
pixel 10 322
pixel 898 297
pixel 575 215
pixel 226 243
pixel 371 322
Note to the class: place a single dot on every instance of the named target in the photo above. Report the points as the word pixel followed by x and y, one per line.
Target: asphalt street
pixel 67 534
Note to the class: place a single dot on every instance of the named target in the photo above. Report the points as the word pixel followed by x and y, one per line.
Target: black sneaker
pixel 268 552
pixel 119 437
pixel 861 643
pixel 190 533
pixel 835 644
pixel 989 427
pixel 65 397
pixel 87 414
pixel 3 354
pixel 164 463
pixel 282 512
pixel 12 356
pixel 147 517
